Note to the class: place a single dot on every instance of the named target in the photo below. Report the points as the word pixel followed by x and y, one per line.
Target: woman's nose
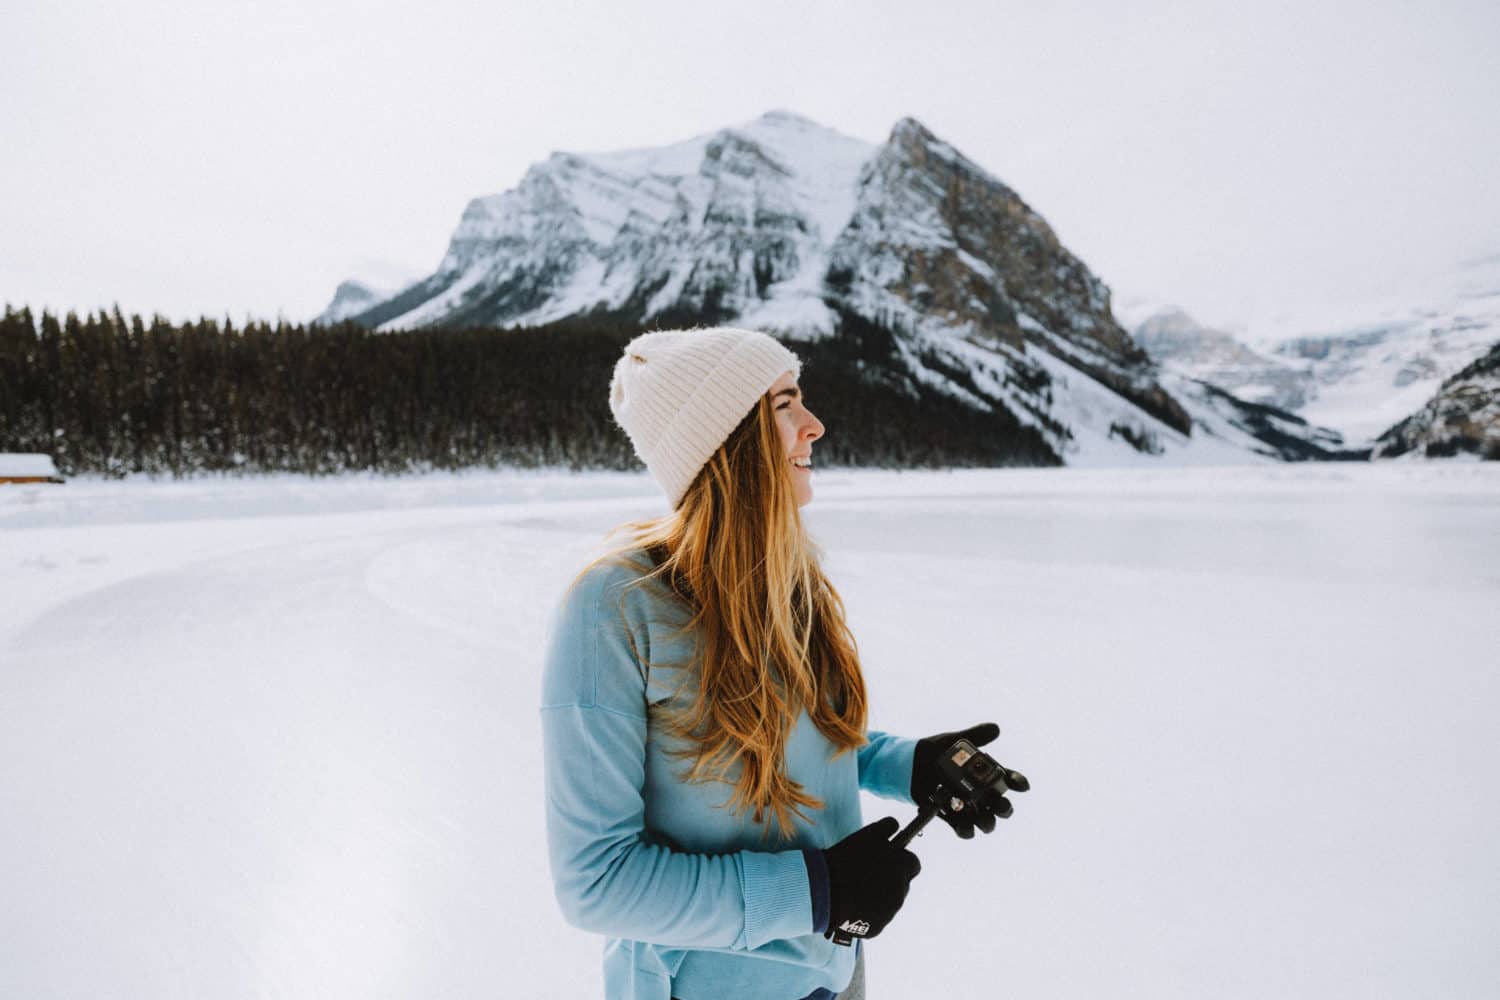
pixel 814 428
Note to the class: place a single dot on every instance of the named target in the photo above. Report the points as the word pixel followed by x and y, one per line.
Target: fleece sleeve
pixel 609 877
pixel 885 764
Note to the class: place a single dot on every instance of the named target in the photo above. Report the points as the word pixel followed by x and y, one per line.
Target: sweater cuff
pixel 817 880
pixel 778 899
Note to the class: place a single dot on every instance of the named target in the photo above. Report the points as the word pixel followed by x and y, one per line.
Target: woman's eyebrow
pixel 793 391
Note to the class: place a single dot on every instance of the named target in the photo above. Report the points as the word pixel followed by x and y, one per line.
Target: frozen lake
pixel 279 737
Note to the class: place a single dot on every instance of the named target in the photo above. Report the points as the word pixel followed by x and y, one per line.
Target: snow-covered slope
pixel 737 223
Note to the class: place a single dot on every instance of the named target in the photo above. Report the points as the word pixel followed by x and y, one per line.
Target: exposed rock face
pixel 1462 419
pixel 935 242
pixel 977 253
pixel 1181 343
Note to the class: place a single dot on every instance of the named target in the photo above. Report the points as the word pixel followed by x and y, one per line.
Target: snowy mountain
pixel 1359 368
pixel 1463 418
pixel 350 299
pixel 730 225
pixel 374 282
pixel 939 270
pixel 1200 352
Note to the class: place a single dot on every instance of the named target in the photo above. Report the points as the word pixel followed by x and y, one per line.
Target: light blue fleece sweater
pixel 696 902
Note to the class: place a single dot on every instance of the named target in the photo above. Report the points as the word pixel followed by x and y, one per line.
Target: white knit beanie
pixel 679 393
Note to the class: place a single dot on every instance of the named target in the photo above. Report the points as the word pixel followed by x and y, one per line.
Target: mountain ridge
pixel 785 225
pixel 1363 367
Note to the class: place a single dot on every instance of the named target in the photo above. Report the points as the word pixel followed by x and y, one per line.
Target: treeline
pixel 106 394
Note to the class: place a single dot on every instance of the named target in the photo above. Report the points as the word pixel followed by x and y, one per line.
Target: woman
pixel 704 709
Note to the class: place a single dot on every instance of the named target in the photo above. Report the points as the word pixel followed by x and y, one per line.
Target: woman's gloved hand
pixel 868 877
pixel 925 778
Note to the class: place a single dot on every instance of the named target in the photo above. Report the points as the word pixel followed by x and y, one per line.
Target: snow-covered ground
pixel 279 738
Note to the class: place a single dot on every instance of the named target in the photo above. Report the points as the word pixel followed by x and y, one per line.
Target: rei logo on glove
pixel 859 927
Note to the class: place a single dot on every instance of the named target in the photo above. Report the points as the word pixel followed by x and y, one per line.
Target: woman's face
pixel 799 429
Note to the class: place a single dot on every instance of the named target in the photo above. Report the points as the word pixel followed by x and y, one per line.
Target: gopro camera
pixel 971 777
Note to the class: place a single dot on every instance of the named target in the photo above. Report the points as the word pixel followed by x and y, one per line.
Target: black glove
pixel 868 877
pixel 925 777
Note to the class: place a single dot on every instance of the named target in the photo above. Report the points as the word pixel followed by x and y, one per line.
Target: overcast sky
pixel 243 158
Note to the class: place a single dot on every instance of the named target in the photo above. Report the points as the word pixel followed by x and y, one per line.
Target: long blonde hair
pixel 773 639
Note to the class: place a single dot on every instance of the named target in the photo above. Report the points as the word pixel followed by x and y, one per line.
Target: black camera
pixel 972 780
pixel 973 777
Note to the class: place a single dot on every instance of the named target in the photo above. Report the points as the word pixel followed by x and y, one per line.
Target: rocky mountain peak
pixel 909 132
pixel 942 245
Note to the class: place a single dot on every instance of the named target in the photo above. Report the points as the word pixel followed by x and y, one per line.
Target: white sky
pixel 243 158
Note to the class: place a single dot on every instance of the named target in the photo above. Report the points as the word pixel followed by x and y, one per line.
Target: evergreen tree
pixel 110 394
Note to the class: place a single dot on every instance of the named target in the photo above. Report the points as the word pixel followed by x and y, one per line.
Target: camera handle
pixel 925 814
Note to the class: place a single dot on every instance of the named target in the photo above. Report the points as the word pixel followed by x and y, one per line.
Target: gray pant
pixel 856 988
